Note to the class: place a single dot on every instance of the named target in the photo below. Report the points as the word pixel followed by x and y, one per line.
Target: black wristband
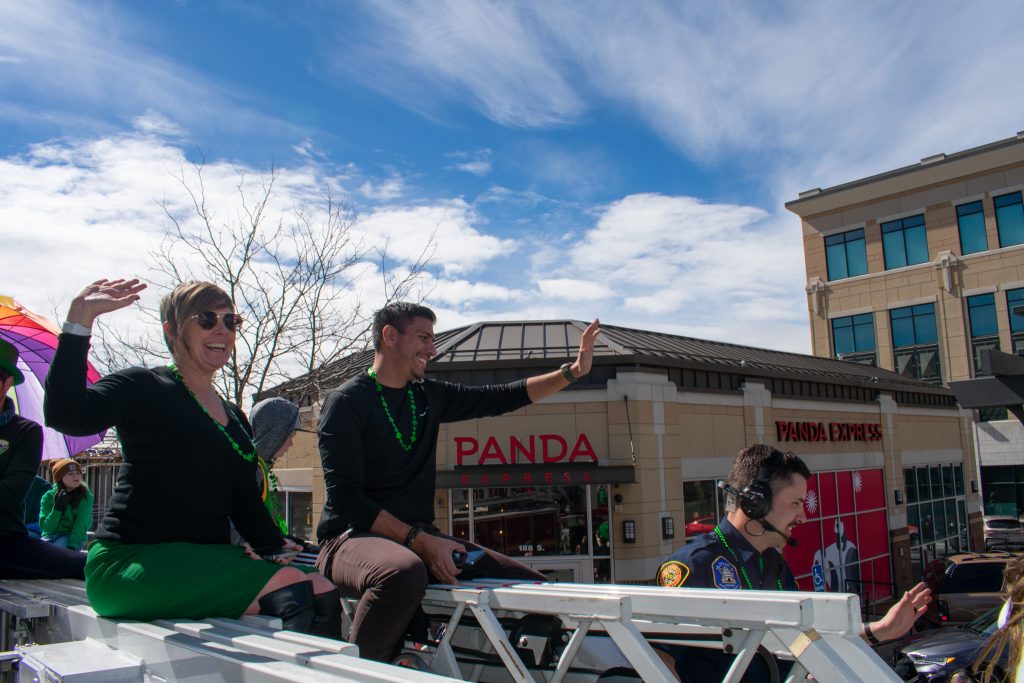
pixel 411 537
pixel 870 635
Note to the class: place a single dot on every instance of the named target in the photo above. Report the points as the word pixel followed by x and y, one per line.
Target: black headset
pixel 756 497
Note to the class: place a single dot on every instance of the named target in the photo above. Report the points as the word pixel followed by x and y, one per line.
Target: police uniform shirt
pixel 708 563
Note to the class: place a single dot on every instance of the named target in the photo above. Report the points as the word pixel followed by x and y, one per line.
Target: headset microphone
pixel 790 541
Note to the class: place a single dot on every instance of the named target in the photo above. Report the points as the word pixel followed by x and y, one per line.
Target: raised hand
pixel 586 355
pixel 103 296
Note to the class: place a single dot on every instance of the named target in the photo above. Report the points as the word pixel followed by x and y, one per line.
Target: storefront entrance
pixel 562 531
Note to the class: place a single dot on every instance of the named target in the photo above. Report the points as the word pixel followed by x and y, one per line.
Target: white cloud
pixel 481 53
pixel 386 190
pixel 461 247
pixel 478 163
pixel 78 61
pixel 579 290
pixel 11 59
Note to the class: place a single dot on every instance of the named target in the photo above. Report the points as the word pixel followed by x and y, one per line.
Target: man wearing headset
pixel 766 490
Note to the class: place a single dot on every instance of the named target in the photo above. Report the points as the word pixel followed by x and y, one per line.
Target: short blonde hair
pixel 185 301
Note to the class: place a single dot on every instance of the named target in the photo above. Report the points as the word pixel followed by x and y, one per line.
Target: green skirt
pixel 148 581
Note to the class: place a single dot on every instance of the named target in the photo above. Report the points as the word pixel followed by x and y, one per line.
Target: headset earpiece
pixel 756 499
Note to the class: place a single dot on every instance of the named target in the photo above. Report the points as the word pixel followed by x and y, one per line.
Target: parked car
pixel 700 525
pixel 934 656
pixel 1003 532
pixel 964 586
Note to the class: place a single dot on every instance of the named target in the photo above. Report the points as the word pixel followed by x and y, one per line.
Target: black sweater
pixel 180 480
pixel 21 448
pixel 365 469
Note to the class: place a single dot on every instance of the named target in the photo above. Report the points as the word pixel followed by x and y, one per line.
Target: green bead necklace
pixel 248 457
pixel 750 584
pixel 282 524
pixel 412 401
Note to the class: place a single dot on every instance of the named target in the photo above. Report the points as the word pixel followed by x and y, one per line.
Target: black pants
pixel 389 580
pixel 22 557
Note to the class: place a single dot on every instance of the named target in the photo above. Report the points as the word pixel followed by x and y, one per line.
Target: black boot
pixel 327 614
pixel 293 604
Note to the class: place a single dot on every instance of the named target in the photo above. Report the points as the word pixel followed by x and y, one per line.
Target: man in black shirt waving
pixel 378 443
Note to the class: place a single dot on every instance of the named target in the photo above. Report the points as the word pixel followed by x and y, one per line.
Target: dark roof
pixel 543 344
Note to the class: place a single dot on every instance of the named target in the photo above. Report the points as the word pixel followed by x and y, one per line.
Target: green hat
pixel 9 361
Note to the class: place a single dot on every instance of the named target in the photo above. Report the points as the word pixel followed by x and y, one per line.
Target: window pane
pixel 922 484
pixel 843 338
pixel 902 332
pixel 972 228
pixel 910 484
pixel 835 256
pixel 914 524
pixel 699 514
pixel 939 520
pixel 924 326
pixel 982 312
pixel 1014 298
pixel 958 479
pixel 856 257
pixel 1010 219
pixel 917 245
pixel 947 481
pixel 892 245
pixel 864 334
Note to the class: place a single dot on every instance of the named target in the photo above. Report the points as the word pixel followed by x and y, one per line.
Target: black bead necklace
pixel 412 401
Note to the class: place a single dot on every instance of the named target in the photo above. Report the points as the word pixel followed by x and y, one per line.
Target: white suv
pixel 1003 532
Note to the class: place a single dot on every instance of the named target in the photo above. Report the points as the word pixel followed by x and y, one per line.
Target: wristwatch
pixel 567 372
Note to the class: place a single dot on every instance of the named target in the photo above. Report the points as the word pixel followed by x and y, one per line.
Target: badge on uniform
pixel 673 574
pixel 4 445
pixel 725 574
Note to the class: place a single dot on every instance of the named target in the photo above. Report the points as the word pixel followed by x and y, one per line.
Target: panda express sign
pixel 533 459
pixel 831 431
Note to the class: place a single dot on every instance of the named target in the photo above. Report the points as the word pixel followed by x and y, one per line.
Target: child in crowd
pixel 65 511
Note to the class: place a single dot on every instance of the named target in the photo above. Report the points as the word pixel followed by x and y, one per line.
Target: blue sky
pixel 578 159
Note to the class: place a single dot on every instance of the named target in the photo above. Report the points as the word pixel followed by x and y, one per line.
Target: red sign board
pixel 831 431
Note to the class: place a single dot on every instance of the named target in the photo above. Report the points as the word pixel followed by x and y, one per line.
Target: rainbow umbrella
pixel 35 338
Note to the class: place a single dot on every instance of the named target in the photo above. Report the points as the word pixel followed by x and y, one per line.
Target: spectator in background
pixel 36 489
pixel 65 510
pixel 21 451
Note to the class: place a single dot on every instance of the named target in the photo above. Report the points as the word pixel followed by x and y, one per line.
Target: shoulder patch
pixel 4 445
pixel 673 574
pixel 725 574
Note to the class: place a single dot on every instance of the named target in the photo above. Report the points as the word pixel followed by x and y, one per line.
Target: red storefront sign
pixel 552 448
pixel 832 431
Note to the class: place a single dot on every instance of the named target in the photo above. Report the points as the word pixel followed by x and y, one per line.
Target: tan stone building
pixel 608 477
pixel 916 270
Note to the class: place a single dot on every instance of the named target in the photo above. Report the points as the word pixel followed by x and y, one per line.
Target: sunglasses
pixel 208 320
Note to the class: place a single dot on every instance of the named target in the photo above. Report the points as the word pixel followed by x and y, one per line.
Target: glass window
pixel 981 310
pixel 910 484
pixel 958 479
pixel 1009 219
pixel 971 219
pixel 600 518
pixel 543 520
pixel 922 484
pixel 701 510
pixel 904 242
pixel 845 255
pixel 914 338
pixel 853 334
pixel 300 514
pixel 1014 298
